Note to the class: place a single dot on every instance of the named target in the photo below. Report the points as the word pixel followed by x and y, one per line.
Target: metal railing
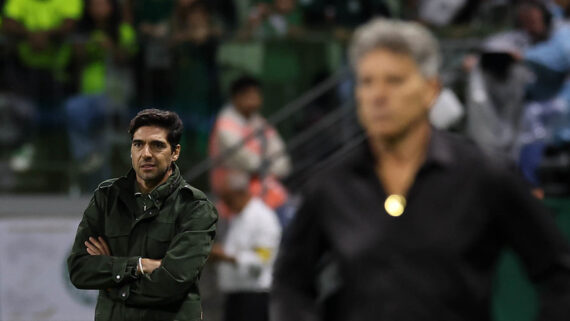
pixel 351 136
pixel 283 114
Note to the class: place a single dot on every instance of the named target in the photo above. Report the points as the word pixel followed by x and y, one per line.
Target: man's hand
pixel 97 246
pixel 218 254
pixel 149 265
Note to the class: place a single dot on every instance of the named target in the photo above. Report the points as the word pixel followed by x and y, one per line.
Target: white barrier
pixel 34 283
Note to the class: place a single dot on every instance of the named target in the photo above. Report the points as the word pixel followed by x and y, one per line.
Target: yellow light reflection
pixel 395 205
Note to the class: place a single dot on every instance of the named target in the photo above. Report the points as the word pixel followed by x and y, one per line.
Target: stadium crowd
pixel 74 71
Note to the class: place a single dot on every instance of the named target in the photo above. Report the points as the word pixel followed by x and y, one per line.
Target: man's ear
pixel 176 152
pixel 435 86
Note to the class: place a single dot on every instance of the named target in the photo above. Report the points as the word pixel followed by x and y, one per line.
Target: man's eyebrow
pixel 150 142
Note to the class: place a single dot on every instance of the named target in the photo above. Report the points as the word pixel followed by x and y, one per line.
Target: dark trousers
pixel 247 306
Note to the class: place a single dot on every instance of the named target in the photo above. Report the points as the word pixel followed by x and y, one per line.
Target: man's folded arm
pixel 97 271
pixel 183 262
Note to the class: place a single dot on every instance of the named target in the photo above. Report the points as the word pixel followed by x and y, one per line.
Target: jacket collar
pixel 159 194
pixel 439 152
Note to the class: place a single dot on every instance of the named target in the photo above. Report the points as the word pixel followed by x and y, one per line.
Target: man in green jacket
pixel 145 237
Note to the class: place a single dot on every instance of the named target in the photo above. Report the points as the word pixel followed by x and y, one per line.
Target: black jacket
pixel 435 262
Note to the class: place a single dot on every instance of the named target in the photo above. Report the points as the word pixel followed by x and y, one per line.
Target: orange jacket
pixel 267 148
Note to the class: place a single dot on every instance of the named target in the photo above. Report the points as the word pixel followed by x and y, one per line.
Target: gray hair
pixel 409 38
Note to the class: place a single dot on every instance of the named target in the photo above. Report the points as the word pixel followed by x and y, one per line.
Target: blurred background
pixel 74 72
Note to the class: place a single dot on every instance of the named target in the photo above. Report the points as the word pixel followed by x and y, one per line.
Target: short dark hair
pixel 534 4
pixel 168 120
pixel 243 83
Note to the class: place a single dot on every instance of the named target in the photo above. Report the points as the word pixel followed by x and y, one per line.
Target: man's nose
pixel 146 152
pixel 380 95
pixel 381 89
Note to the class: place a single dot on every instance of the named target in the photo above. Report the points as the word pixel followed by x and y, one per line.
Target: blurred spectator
pixel 243 140
pixel 548 94
pixel 194 46
pixel 498 87
pixel 496 93
pixel 17 119
pixel 549 56
pixel 276 19
pixel 541 124
pixel 248 252
pixel 37 33
pixel 534 18
pixel 103 47
pixel 154 64
pixel 40 30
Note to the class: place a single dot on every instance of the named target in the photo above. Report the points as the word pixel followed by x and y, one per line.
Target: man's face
pixel 392 94
pixel 151 153
pixel 532 21
pixel 248 101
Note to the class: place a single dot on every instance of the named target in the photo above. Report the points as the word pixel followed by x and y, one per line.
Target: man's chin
pixel 384 133
pixel 152 177
pixel 148 177
pixel 393 132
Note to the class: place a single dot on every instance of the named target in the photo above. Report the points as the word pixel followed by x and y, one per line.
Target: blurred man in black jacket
pixel 414 219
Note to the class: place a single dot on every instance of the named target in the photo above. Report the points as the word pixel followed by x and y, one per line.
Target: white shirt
pixel 253 239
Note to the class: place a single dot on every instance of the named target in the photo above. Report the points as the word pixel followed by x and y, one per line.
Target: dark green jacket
pixel 179 229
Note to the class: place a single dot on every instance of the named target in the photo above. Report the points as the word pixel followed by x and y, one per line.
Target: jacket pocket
pixel 118 240
pixel 158 240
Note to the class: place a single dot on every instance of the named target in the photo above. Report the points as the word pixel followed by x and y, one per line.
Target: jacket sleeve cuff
pixel 125 269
